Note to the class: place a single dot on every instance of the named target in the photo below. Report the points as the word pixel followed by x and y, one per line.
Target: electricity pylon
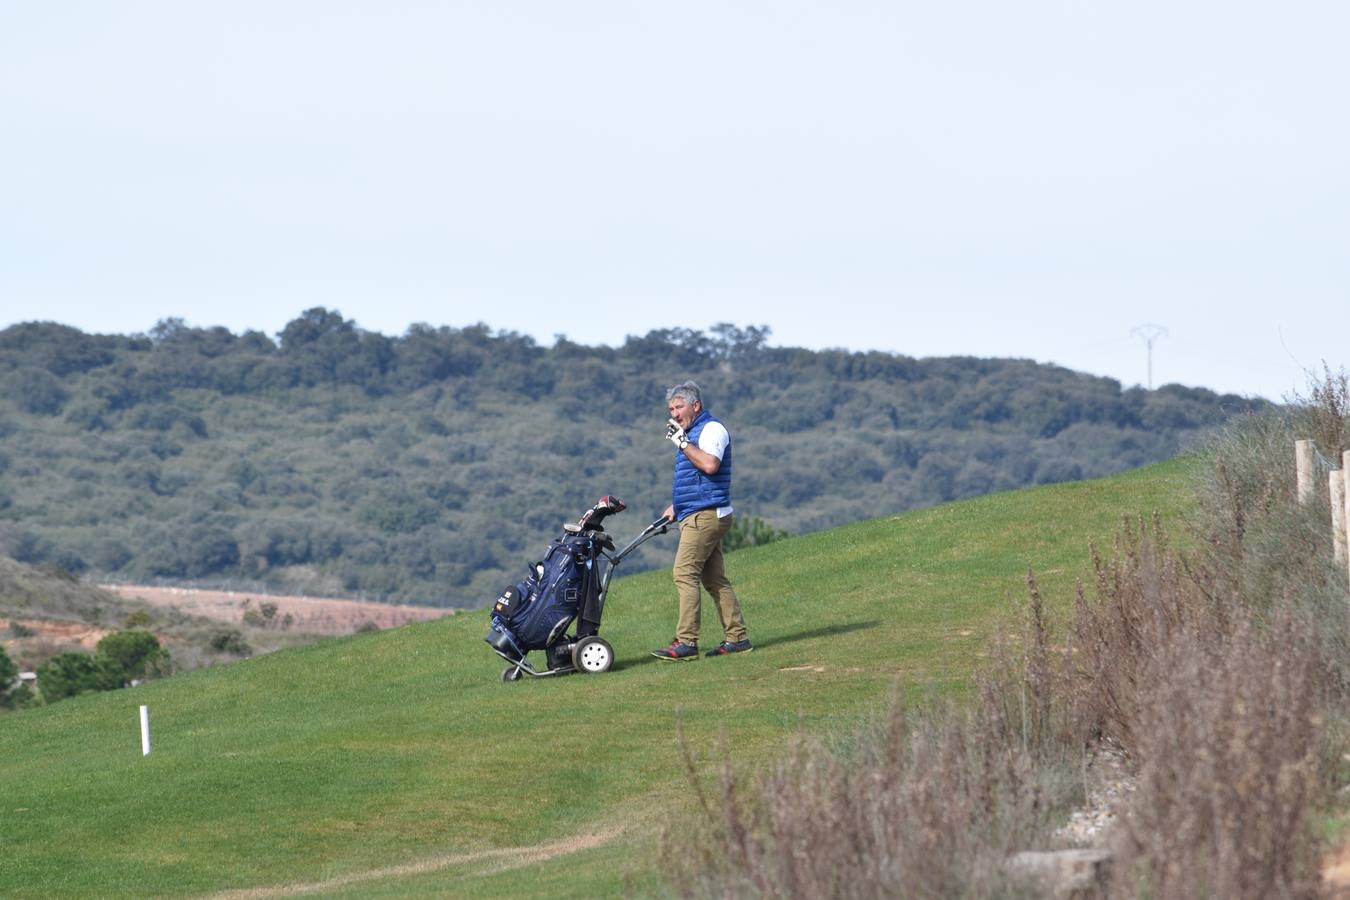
pixel 1149 332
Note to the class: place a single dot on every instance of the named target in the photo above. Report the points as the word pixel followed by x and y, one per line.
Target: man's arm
pixel 704 461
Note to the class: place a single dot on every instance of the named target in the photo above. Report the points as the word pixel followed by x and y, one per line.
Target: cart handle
pixel 660 526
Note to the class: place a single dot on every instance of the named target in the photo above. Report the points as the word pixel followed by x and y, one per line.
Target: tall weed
pixel 1325 412
pixel 1229 743
pixel 922 805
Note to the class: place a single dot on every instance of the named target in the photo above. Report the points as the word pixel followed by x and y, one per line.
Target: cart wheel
pixel 592 655
pixel 511 673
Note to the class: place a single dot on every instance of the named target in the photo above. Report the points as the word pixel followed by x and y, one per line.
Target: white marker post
pixel 145 731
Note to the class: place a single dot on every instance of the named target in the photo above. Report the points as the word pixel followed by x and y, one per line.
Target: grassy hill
pixel 396 763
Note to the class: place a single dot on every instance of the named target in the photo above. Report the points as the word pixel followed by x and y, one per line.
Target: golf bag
pixel 565 584
pixel 534 614
pixel 568 585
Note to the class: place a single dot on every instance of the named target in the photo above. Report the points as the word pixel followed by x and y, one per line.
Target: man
pixel 701 504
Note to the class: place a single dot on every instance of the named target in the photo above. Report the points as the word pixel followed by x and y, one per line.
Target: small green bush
pixel 8 673
pixel 751 532
pixel 134 655
pixel 139 619
pixel 229 640
pixel 71 674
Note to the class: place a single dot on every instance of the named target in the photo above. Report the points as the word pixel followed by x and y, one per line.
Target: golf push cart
pixel 569 584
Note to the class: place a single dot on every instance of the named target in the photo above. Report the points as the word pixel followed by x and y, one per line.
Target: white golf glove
pixel 675 434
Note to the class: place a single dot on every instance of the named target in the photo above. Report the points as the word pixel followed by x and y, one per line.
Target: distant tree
pixel 936 476
pixel 427 355
pixel 60 349
pixel 318 343
pixel 734 344
pixel 1050 471
pixel 36 391
pixel 168 329
pixel 8 672
pixel 22 697
pixel 314 326
pixel 399 509
pixel 27 547
pixel 133 655
pixel 263 616
pixel 974 478
pixel 13 695
pixel 71 674
pixel 88 415
pixel 229 640
pixel 109 555
pixel 323 347
pixel 679 348
pixel 123 385
pixel 139 619
pixel 257 342
pixel 207 550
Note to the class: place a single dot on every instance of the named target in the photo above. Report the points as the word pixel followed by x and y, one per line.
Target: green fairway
pixel 397 763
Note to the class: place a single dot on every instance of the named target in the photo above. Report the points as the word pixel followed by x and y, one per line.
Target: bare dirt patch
pixel 67 634
pixel 43 638
pixel 310 615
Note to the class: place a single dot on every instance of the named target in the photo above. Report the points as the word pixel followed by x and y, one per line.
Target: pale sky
pixel 981 178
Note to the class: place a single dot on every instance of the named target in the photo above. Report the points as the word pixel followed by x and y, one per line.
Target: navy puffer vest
pixel 692 490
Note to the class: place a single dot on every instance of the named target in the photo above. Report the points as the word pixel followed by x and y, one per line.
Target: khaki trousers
pixel 698 559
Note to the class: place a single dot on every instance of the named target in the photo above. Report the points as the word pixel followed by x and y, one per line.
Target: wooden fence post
pixel 1303 465
pixel 1345 509
pixel 1336 482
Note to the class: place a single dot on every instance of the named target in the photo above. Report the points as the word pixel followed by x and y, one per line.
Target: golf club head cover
pixel 606 505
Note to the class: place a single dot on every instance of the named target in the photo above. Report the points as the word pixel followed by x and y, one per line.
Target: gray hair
pixel 686 391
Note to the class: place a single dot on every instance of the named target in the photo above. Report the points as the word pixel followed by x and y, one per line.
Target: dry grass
pixel 920 806
pixel 1230 750
pixel 1326 409
pixel 1221 708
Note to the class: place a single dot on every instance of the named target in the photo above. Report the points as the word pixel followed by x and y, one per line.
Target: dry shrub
pixel 1262 549
pixel 1231 769
pixel 1325 412
pixel 922 806
pixel 33 652
pixel 1218 671
pixel 1027 688
pixel 1260 538
pixel 1146 597
pixel 1213 673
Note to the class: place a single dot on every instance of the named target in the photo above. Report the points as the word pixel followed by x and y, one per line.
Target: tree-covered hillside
pixel 430 467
